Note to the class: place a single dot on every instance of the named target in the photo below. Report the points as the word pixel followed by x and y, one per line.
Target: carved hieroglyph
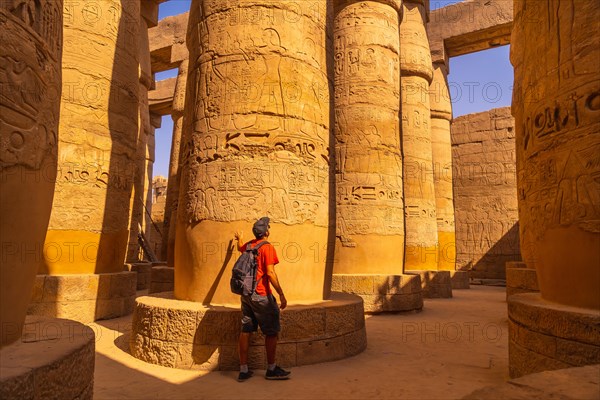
pixel 556 104
pixel 485 193
pixel 30 84
pixel 88 228
pixel 172 203
pixel 419 195
pixel 259 144
pixel 441 146
pixel 370 217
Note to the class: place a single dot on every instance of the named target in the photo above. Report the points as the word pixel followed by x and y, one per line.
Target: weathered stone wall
pixel 485 192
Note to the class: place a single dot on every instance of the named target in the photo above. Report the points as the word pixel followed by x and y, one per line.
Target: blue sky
pixel 477 82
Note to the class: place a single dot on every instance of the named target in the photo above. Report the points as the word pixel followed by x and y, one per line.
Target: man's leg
pixel 271 347
pixel 243 346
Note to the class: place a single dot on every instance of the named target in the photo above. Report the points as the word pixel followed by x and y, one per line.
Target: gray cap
pixel 261 227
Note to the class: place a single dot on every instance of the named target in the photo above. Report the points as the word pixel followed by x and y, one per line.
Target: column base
pixel 84 298
pixel 547 336
pixel 382 293
pixel 162 279
pixel 570 383
pixel 435 284
pixel 460 279
pixel 520 279
pixel 142 269
pixel 183 334
pixel 54 359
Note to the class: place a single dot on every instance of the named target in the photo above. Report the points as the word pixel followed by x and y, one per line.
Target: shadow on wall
pixel 491 264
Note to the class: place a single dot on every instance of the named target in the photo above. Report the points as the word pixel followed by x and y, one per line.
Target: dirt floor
pixel 451 348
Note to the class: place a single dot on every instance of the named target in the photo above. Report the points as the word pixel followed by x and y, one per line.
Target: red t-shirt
pixel 266 256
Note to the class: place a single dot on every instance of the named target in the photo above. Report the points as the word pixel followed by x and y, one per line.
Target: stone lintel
pixel 382 293
pixel 54 359
pixel 469 26
pixel 189 335
pixel 167 42
pixel 160 99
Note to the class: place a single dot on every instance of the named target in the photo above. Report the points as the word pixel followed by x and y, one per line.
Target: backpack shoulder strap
pixel 258 246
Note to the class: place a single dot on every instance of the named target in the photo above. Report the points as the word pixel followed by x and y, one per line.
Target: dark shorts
pixel 260 311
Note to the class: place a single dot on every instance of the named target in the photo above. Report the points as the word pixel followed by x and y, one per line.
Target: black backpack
pixel 243 275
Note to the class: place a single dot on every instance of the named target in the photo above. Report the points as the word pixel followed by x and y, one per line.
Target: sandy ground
pixel 451 348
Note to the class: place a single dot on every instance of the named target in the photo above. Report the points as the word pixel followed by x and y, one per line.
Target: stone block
pixel 109 308
pixel 218 328
pixel 37 293
pixel 39 368
pixel 162 274
pixel 355 342
pixel 523 361
pixel 577 354
pixel 142 319
pixel 316 351
pixel 302 323
pixel 160 321
pixel 403 302
pixel 160 287
pixel 160 324
pixel 287 354
pixel 104 281
pixel 460 279
pixel 339 320
pixel 182 325
pixel 58 288
pixel 123 284
pixel 357 284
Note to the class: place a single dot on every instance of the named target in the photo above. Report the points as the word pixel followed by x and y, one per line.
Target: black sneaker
pixel 244 376
pixel 277 374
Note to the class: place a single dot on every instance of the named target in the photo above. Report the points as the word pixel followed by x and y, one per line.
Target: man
pixel 261 309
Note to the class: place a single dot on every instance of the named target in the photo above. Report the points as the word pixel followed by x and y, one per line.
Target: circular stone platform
pixel 54 359
pixel 188 335
pixel 545 336
pixel 84 297
pixel 460 280
pixel 435 284
pixel 563 384
pixel 382 293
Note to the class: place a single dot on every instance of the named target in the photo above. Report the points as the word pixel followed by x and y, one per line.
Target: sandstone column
pixel 259 144
pixel 421 250
pixel 30 84
pixel 556 104
pixel 369 200
pixel 140 187
pixel 168 242
pixel 441 117
pixel 416 74
pixel 98 132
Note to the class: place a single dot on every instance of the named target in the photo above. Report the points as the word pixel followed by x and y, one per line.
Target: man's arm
pixel 272 275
